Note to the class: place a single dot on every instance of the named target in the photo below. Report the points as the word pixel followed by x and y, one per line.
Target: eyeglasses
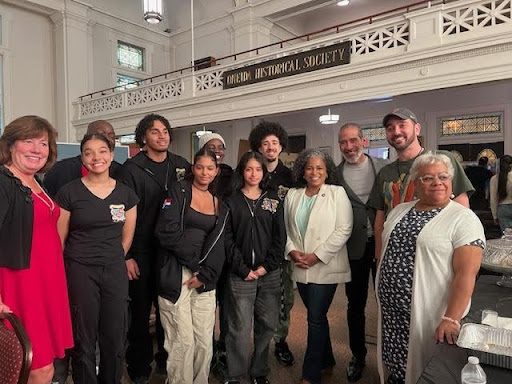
pixel 429 179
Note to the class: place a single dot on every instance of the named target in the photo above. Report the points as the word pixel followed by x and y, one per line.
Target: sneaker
pixel 283 354
pixel 355 369
pixel 259 380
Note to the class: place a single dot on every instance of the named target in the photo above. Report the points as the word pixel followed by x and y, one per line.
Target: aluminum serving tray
pixel 491 345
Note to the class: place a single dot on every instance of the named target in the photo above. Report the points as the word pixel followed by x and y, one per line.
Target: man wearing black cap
pixel 393 185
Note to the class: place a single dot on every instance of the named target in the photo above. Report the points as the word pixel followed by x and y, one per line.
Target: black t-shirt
pixel 96 225
pixel 159 170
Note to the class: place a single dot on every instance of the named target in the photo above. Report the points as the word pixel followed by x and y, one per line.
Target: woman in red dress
pixel 32 278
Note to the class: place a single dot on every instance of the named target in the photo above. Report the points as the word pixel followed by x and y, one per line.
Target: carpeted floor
pixel 339 337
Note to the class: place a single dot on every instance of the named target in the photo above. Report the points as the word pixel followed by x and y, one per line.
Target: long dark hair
pixel 505 168
pixel 238 176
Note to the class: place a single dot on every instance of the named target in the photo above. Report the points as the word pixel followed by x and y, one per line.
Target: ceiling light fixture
pixel 329 118
pixel 343 3
pixel 153 11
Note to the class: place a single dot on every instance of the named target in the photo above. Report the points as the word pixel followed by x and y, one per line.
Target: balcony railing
pixel 386 34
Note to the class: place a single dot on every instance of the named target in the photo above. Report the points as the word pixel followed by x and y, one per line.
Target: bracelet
pixel 456 322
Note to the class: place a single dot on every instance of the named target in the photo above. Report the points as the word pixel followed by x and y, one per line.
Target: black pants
pixel 143 293
pixel 357 294
pixel 99 304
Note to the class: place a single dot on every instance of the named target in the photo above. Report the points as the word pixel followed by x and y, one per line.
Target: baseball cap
pixel 401 113
pixel 203 140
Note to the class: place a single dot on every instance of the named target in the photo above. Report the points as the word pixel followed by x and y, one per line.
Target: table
pixel 445 366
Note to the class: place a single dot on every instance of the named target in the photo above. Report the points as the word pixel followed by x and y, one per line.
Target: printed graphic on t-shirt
pixel 282 191
pixel 117 212
pixel 270 205
pixel 180 173
pixel 398 191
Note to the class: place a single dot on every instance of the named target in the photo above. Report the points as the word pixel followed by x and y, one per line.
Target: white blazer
pixel 329 228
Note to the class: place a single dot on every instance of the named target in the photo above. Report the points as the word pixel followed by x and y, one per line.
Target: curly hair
pixel 264 129
pixel 146 123
pixel 302 161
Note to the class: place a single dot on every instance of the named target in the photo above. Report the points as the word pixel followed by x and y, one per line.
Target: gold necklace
pixel 51 204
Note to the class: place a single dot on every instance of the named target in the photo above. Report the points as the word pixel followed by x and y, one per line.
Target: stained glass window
pixel 471 124
pixel 130 56
pixel 375 132
pixel 126 81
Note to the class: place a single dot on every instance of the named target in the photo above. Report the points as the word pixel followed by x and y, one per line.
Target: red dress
pixel 38 295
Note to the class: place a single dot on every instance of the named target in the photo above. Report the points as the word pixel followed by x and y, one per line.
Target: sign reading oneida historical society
pixel 320 58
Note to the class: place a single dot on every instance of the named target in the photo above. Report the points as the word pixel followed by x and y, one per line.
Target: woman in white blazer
pixel 318 219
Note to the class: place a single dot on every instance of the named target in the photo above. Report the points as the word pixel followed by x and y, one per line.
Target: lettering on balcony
pixel 313 60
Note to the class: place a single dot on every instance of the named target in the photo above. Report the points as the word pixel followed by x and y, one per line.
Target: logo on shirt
pixel 117 212
pixel 282 191
pixel 270 204
pixel 180 173
pixel 167 202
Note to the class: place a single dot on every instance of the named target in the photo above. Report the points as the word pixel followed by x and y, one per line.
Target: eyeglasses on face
pixel 429 179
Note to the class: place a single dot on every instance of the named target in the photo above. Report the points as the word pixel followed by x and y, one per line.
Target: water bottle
pixel 472 373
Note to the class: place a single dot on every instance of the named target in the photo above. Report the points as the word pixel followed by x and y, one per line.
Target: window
pixel 126 82
pixel 374 132
pixel 130 56
pixel 471 124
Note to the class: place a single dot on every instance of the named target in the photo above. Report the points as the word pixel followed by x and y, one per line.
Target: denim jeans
pixel 317 298
pixel 357 294
pixel 258 300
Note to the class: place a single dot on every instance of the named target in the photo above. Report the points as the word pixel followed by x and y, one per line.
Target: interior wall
pixel 29 69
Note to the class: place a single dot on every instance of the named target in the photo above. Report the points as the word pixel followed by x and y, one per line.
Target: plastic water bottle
pixel 472 373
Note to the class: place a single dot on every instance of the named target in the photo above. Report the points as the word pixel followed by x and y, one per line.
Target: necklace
pixel 199 189
pixel 50 205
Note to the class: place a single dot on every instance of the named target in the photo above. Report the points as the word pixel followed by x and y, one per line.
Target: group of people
pixel 186 238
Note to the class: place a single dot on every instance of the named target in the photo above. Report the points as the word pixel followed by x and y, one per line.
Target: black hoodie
pixel 173 253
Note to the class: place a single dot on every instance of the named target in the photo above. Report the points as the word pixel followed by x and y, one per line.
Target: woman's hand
pixel 307 260
pixel 193 282
pixel 252 276
pixel 133 269
pixel 447 330
pixel 295 255
pixel 260 271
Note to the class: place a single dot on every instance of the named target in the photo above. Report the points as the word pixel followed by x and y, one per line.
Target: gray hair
pixel 302 160
pixel 430 158
pixel 352 125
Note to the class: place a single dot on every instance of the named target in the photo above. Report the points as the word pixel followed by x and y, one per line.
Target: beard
pixel 353 159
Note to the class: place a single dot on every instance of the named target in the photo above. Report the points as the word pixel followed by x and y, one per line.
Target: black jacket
pixel 280 179
pixel 255 236
pixel 67 170
pixel 136 174
pixel 223 182
pixel 16 221
pixel 173 253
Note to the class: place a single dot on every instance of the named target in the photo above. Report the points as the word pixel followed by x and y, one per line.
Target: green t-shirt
pixel 393 184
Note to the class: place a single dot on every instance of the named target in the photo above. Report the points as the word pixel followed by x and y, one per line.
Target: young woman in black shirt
pixel 255 240
pixel 191 235
pixel 96 225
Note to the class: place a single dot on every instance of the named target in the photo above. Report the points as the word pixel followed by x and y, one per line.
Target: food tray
pixel 498 254
pixel 492 346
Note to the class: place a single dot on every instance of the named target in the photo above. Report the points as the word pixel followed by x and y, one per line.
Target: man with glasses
pixel 393 184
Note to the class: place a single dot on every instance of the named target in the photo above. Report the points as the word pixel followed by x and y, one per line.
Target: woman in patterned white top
pixel 432 253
